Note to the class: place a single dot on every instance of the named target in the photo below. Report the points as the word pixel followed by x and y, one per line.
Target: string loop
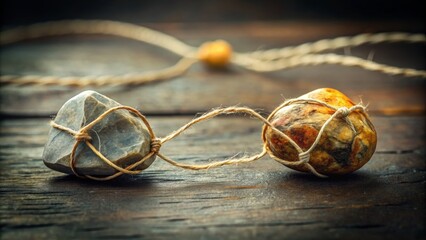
pixel 82 136
pixel 304 157
pixel 344 111
pixel 155 145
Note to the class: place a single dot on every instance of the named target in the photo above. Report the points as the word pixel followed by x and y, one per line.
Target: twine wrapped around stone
pixel 327 133
pixel 118 131
pixel 94 124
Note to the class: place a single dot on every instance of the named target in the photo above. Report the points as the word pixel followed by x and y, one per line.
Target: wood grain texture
pixel 260 200
pixel 201 89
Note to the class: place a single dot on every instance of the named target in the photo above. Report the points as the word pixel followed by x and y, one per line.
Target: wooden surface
pixel 261 200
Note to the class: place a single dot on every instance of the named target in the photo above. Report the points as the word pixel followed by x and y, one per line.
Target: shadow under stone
pixel 125 181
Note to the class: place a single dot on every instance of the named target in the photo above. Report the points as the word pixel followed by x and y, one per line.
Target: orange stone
pixel 341 150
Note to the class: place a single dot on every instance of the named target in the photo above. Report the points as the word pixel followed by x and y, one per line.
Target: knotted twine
pixel 218 53
pixel 82 136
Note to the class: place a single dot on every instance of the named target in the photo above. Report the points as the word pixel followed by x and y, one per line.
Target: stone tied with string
pixel 346 143
pixel 321 132
pixel 121 137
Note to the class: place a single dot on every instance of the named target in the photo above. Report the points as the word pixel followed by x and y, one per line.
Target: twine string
pixel 258 61
pixel 82 135
pixel 320 59
pixel 336 43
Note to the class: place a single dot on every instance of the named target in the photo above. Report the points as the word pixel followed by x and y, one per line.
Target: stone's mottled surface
pixel 340 149
pixel 121 137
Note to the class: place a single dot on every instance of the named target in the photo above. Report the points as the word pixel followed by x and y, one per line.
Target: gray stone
pixel 121 137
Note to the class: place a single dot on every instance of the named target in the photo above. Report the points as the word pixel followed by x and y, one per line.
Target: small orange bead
pixel 215 54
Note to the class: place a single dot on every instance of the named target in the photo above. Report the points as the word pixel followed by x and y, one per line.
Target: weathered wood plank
pixel 385 199
pixel 105 55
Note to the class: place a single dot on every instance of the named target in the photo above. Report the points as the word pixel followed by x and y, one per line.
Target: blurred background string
pixel 215 54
